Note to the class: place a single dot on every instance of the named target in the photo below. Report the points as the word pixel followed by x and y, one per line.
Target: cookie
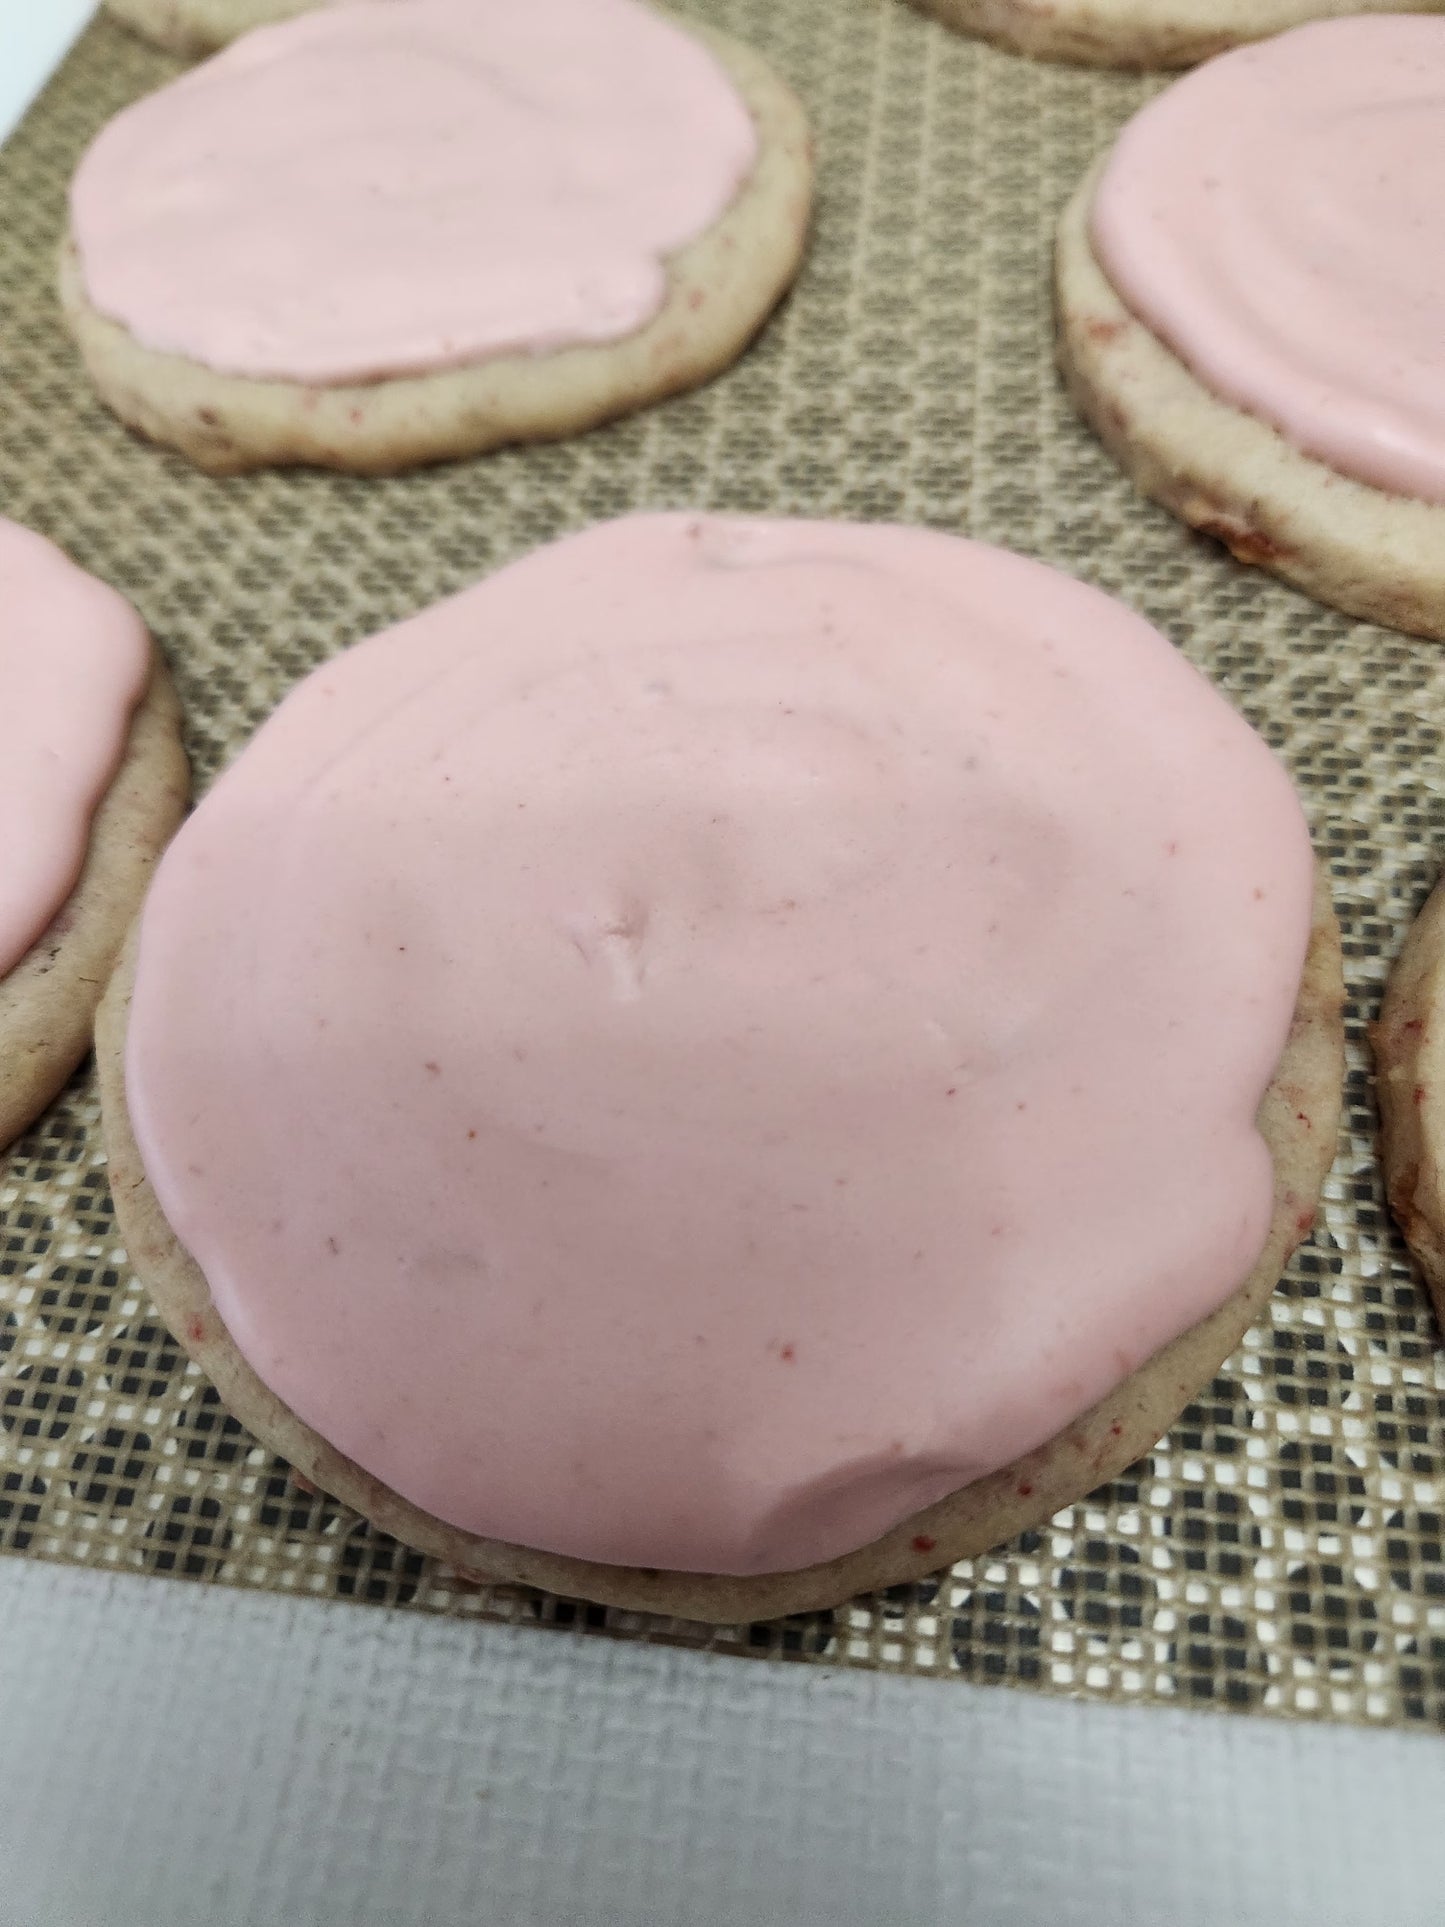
pixel 1140 33
pixel 1221 324
pixel 351 307
pixel 85 818
pixel 195 27
pixel 1412 1093
pixel 682 1053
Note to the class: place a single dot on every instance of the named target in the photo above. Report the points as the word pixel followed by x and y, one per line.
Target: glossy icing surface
pixel 723 1032
pixel 74 662
pixel 379 189
pixel 1277 218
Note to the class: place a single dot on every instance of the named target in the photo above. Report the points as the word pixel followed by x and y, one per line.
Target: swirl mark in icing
pixel 1277 218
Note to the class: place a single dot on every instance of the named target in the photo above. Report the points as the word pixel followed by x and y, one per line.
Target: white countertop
pixel 35 36
pixel 176 1755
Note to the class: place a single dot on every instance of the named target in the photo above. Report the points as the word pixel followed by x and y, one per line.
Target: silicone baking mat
pixel 1281 1550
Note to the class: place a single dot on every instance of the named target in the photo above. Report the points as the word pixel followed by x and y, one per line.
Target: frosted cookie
pixel 719 1068
pixel 194 27
pixel 1410 1071
pixel 92 783
pixel 1139 33
pixel 484 223
pixel 1250 292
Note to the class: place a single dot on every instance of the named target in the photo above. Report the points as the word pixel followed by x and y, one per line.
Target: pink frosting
pixel 692 1049
pixel 377 189
pixel 74 662
pixel 1277 218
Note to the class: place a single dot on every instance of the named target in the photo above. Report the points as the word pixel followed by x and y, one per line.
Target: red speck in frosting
pixel 195 1330
pixel 432 1066
pixel 1026 1491
pixel 788 1354
pixel 922 1542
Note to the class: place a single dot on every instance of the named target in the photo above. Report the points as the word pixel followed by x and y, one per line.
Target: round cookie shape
pixel 754 1028
pixel 1277 219
pixel 476 179
pixel 194 27
pixel 91 784
pixel 1224 469
pixel 1139 33
pixel 481 223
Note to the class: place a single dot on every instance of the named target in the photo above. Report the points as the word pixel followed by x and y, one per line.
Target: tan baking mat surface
pixel 1281 1551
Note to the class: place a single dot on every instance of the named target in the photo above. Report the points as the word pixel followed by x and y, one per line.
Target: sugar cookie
pixel 728 1055
pixel 1246 293
pixel 484 224
pixel 1139 33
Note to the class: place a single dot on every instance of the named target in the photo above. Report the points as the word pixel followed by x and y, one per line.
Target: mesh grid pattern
pixel 1281 1550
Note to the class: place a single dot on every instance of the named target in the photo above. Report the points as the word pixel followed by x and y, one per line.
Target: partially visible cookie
pixel 1409 1045
pixel 195 27
pixel 376 308
pixel 1230 475
pixel 48 993
pixel 1139 33
pixel 1255 255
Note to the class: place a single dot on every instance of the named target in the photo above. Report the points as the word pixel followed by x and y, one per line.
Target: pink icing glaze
pixel 723 1032
pixel 1277 218
pixel 378 189
pixel 74 661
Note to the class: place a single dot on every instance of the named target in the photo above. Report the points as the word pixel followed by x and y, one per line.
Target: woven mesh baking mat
pixel 1281 1550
